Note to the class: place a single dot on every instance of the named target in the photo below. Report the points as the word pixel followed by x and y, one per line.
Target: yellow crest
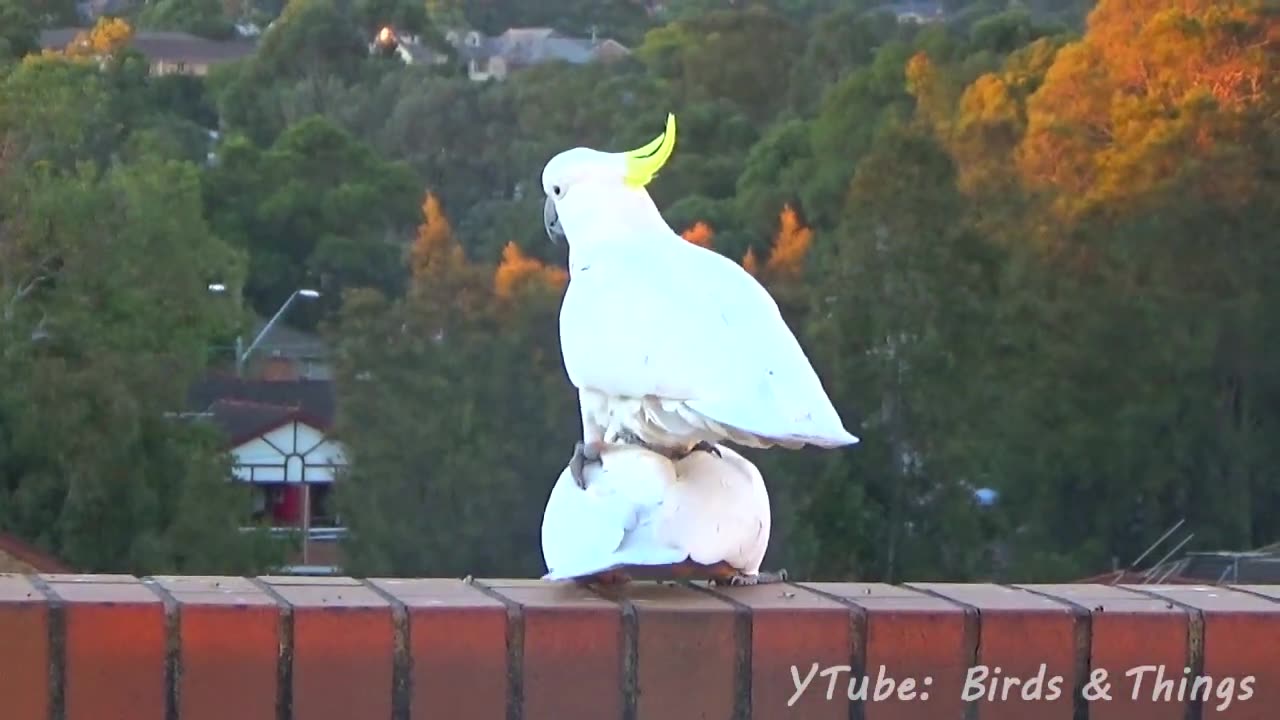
pixel 643 163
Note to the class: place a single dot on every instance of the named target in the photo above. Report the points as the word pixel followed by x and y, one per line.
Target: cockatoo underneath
pixel 672 346
pixel 643 513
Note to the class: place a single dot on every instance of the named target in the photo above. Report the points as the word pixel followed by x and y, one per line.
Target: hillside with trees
pixel 1027 247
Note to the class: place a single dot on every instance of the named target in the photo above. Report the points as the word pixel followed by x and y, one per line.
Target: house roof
pixel 17 556
pixel 165 46
pixel 288 341
pixel 532 46
pixel 242 420
pixel 240 405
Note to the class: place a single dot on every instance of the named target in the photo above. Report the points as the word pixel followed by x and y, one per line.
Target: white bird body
pixel 678 344
pixel 641 509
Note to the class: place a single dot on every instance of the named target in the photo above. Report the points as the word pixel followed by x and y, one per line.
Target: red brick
pixel 572 650
pixel 685 648
pixel 229 648
pixel 343 649
pixel 1129 630
pixel 24 652
pixel 1241 639
pixel 458 642
pixel 909 634
pixel 792 628
pixel 1020 633
pixel 115 648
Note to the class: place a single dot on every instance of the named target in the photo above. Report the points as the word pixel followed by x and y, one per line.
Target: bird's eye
pixel 555 190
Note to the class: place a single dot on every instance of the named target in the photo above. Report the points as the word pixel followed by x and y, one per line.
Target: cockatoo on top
pixel 672 346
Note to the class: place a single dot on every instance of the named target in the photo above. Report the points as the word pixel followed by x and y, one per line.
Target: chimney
pixel 279 369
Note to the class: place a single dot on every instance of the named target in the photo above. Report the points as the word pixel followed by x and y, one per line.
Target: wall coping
pixel 86 647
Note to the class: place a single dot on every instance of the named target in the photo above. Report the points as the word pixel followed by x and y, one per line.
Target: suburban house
pixel 169 53
pixel 276 422
pixel 494 58
pixel 17 556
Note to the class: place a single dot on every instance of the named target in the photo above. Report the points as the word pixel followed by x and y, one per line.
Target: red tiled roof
pixel 22 557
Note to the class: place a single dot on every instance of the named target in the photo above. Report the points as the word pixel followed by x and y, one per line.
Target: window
pixel 322 506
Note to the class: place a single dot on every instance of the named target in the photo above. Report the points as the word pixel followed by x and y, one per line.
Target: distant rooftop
pixel 243 407
pixel 532 46
pixel 164 46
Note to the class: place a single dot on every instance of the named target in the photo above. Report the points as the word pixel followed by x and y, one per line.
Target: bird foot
pixel 583 453
pixel 674 454
pixel 706 447
pixel 760 578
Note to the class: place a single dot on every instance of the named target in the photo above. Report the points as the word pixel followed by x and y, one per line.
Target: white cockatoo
pixel 642 513
pixel 672 346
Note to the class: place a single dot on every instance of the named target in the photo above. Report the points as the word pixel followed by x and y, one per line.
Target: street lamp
pixel 242 356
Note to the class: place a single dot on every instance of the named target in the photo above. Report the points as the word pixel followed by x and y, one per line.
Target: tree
pixel 1146 88
pixel 19 31
pixel 206 18
pixel 317 207
pixel 691 54
pixel 314 42
pixel 900 309
pixel 106 318
pixel 699 233
pixel 406 16
pixel 107 37
pixel 435 251
pixel 517 271
pixel 790 246
pixel 463 419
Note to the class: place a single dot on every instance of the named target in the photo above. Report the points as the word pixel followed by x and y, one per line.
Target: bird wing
pixel 675 320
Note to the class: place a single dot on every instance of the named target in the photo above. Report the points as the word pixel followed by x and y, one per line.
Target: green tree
pixel 18 30
pixel 316 208
pixel 468 366
pixel 206 18
pixel 105 320
pixel 691 56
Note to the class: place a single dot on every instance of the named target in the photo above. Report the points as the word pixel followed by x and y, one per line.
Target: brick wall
pixel 107 647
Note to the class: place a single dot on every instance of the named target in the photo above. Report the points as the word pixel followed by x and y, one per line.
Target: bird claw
pixel 582 454
pixel 706 447
pixel 761 578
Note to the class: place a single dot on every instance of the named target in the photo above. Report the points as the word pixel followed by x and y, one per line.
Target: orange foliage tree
pixel 790 246
pixel 435 249
pixel 518 269
pixel 1152 89
pixel 441 277
pixel 106 37
pixel 700 233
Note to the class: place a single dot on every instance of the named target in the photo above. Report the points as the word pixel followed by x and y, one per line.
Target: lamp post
pixel 242 356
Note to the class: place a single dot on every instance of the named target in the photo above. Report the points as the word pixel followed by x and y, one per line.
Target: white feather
pixel 640 508
pixel 678 344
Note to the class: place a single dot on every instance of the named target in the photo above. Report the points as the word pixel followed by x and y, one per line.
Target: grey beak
pixel 551 222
